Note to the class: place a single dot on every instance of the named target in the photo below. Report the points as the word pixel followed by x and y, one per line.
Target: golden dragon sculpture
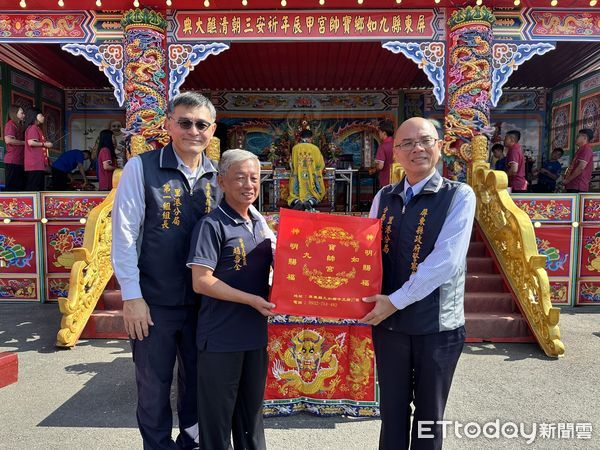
pixel 90 273
pixel 511 235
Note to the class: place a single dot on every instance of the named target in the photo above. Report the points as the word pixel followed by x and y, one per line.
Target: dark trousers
pixel 60 180
pixel 34 180
pixel 233 384
pixel 573 191
pixel 14 175
pixel 173 337
pixel 414 369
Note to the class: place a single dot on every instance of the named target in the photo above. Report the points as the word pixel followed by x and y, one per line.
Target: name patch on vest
pixel 239 255
pixel 387 230
pixel 171 211
pixel 208 195
pixel 418 240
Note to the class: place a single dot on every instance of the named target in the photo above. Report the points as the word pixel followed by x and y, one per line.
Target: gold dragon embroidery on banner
pixel 361 366
pixel 306 367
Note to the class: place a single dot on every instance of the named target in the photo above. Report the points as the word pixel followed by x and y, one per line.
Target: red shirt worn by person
pixel 385 154
pixel 582 182
pixel 516 181
pixel 104 176
pixel 14 153
pixel 35 157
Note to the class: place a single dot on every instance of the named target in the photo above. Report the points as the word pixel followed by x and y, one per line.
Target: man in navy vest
pixel 160 197
pixel 418 320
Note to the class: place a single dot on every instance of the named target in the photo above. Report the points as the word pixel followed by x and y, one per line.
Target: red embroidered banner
pixel 325 264
pixel 325 369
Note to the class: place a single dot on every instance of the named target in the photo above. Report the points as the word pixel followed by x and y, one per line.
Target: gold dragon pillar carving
pixel 145 79
pixel 468 85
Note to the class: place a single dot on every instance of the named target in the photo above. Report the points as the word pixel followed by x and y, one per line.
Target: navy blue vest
pixel 172 210
pixel 409 233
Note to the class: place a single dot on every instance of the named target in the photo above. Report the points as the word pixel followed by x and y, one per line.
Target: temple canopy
pixel 303 65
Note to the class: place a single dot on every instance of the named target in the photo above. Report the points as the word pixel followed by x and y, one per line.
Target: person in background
pixel 64 165
pixel 36 152
pixel 579 173
pixel 106 160
pixel 498 161
pixel 418 319
pixel 230 257
pixel 14 173
pixel 385 153
pixel 120 157
pixel 515 162
pixel 549 173
pixel 307 187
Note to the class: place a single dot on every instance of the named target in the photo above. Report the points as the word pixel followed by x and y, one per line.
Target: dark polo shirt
pixel 241 256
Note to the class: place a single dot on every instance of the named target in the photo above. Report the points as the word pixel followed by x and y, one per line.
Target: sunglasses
pixel 186 124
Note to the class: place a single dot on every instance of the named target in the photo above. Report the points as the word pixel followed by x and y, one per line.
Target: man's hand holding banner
pixel 326 264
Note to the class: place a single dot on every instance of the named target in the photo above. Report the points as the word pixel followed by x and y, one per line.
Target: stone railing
pixel 510 233
pixel 90 273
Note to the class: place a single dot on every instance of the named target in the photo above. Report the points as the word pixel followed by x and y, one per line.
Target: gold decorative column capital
pixel 479 156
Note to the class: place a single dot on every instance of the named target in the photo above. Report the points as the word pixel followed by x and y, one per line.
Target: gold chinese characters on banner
pixel 326 264
pixel 302 25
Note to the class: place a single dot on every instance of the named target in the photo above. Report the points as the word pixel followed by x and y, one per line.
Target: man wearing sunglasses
pixel 160 197
pixel 418 320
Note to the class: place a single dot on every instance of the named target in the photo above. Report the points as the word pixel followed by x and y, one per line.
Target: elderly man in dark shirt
pixel 230 258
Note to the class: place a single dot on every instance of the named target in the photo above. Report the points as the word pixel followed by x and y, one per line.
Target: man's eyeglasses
pixel 425 142
pixel 186 124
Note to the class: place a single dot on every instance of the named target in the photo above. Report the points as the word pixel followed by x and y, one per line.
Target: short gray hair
pixel 236 155
pixel 192 100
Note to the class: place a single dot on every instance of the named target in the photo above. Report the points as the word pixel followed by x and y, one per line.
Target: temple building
pixel 339 68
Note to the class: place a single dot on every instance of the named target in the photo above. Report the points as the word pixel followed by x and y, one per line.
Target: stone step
pixel 481 264
pixel 480 326
pixel 476 235
pixel 9 368
pixel 484 282
pixel 497 327
pixel 110 299
pixel 477 248
pixel 489 302
pixel 107 324
pixel 113 283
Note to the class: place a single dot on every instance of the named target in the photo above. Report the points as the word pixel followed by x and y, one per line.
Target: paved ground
pixel 84 398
